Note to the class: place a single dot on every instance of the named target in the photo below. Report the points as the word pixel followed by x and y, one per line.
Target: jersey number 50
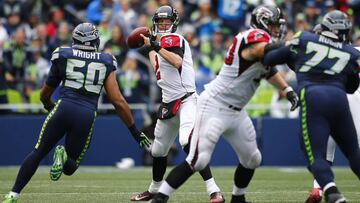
pixel 92 80
pixel 322 52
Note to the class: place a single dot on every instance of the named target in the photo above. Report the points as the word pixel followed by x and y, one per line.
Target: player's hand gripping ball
pixel 134 39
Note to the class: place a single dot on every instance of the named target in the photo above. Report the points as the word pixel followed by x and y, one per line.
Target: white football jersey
pixel 238 78
pixel 175 83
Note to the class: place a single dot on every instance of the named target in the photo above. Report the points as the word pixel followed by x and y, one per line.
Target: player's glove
pixel 154 45
pixel 292 97
pixel 49 106
pixel 139 136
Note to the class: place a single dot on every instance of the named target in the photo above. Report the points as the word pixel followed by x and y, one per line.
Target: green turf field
pixel 108 184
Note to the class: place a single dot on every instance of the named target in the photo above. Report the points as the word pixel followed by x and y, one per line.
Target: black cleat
pixel 238 199
pixel 335 198
pixel 160 198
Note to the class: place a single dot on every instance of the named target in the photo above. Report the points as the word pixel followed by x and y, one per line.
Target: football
pixel 134 39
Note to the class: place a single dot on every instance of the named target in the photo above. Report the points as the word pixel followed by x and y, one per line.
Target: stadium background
pixel 31 29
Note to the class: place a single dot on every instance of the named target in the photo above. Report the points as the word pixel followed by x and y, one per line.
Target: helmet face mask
pixel 336 25
pixel 165 20
pixel 269 19
pixel 86 37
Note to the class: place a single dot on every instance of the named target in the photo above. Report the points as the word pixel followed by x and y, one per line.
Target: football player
pixel 327 68
pixel 315 195
pixel 170 56
pixel 221 106
pixel 83 72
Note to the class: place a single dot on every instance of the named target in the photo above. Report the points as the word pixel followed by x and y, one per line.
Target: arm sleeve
pixel 55 73
pixel 54 77
pixel 277 56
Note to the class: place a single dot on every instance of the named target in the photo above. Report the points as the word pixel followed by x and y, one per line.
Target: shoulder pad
pixel 55 54
pixel 256 35
pixel 114 61
pixel 170 40
pixel 295 39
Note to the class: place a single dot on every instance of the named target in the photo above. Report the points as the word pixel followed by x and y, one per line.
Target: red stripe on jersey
pixel 156 63
pixel 168 41
pixel 256 36
pixel 230 56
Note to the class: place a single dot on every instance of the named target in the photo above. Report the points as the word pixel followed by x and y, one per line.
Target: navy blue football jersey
pixel 318 59
pixel 82 74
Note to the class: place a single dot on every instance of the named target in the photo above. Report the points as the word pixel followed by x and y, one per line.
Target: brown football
pixel 134 39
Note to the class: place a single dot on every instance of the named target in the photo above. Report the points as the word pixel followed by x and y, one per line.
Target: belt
pixel 234 108
pixel 186 96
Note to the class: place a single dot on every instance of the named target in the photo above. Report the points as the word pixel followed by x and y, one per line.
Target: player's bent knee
pixel 201 162
pixel 254 161
pixel 158 152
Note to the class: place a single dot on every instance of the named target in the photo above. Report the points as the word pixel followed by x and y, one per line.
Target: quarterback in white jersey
pixel 220 108
pixel 170 56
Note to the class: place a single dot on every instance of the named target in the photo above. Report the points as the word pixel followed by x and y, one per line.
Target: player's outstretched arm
pixel 45 97
pixel 122 109
pixel 281 84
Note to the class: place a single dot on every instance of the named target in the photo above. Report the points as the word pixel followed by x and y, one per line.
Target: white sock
pixel 14 194
pixel 316 184
pixel 211 186
pixel 154 186
pixel 166 189
pixel 238 191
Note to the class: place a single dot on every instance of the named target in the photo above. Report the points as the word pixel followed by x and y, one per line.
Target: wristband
pixel 155 45
pixel 49 107
pixel 134 131
pixel 288 89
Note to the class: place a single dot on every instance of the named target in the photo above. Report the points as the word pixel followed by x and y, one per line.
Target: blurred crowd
pixel 30 30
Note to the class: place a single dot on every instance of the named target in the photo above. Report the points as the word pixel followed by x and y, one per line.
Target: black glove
pixel 292 97
pixel 49 107
pixel 154 45
pixel 139 136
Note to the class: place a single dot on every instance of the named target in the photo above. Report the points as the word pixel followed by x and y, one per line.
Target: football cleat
pixel 10 199
pixel 217 197
pixel 335 198
pixel 314 196
pixel 160 198
pixel 144 196
pixel 60 158
pixel 238 199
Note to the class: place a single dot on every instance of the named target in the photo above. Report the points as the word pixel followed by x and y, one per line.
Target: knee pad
pixel 254 161
pixel 184 141
pixel 159 150
pixel 202 161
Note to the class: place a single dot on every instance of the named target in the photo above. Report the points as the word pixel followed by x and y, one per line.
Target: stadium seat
pixel 34 98
pixel 14 97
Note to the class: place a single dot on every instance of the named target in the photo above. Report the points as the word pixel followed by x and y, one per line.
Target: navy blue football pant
pixel 67 118
pixel 324 112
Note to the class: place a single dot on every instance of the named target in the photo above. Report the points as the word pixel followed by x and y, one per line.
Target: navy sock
pixel 243 176
pixel 159 168
pixel 179 175
pixel 322 172
pixel 27 170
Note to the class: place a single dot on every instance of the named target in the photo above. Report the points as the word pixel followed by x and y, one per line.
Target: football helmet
pixel 165 12
pixel 86 37
pixel 268 18
pixel 336 25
